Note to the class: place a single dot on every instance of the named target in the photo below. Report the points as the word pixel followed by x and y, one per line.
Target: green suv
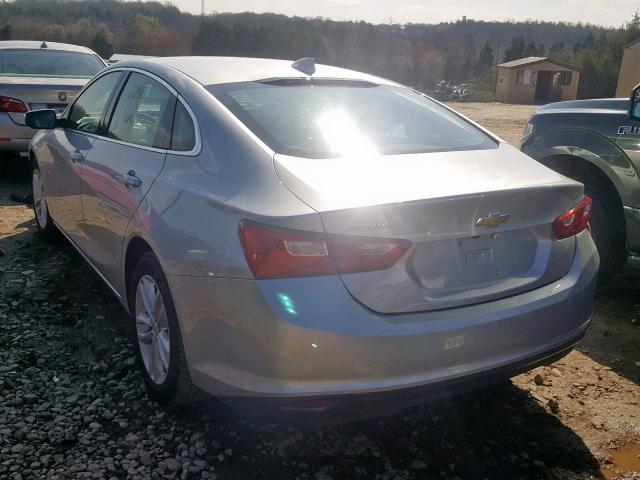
pixel 596 142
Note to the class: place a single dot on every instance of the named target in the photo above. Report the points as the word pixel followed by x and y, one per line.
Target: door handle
pixel 77 156
pixel 131 181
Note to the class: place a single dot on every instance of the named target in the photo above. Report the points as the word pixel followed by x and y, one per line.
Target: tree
pixel 102 42
pixel 486 58
pixel 556 50
pixel 212 38
pixel 5 31
pixel 516 49
pixel 469 58
pixel 531 50
pixel 146 35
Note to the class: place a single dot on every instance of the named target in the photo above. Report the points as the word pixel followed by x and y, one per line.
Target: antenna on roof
pixel 44 44
pixel 306 65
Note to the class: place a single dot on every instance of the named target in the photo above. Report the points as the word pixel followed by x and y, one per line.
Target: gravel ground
pixel 72 404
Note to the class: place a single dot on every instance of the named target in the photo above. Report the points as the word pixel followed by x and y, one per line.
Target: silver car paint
pixel 241 340
pixel 238 337
pixel 35 92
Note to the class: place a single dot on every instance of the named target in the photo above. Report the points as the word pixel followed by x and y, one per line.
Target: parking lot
pixel 72 403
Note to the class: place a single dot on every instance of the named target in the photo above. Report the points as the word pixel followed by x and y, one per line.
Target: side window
pixel 85 113
pixel 143 113
pixel 183 137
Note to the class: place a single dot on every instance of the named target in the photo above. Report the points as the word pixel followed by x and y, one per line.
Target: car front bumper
pixel 295 338
pixel 14 137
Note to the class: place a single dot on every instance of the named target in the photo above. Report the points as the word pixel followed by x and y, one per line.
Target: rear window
pixel 326 119
pixel 48 63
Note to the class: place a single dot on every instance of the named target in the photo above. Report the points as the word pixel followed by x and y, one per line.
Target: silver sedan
pixel 37 75
pixel 303 238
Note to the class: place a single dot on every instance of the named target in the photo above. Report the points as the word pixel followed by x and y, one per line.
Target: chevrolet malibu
pixel 310 238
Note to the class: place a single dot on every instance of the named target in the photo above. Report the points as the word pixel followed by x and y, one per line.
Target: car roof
pixel 217 70
pixel 37 45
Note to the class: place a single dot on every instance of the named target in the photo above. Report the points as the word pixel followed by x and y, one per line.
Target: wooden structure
pixel 536 80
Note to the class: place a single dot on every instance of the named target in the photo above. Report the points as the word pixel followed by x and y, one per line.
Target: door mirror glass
pixel 634 111
pixel 41 119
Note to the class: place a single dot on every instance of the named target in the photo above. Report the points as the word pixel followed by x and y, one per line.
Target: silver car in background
pixel 39 75
pixel 315 238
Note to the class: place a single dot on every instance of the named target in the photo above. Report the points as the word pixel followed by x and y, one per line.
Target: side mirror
pixel 41 119
pixel 634 109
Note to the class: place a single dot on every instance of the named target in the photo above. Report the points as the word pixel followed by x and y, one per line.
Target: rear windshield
pixel 48 63
pixel 325 119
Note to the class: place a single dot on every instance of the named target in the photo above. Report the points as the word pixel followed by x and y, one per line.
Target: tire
pixel 607 227
pixel 168 383
pixel 44 222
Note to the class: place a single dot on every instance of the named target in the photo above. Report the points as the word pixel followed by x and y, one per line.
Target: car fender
pixel 594 148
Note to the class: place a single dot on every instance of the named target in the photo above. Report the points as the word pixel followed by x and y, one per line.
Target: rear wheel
pixel 157 337
pixel 44 222
pixel 607 227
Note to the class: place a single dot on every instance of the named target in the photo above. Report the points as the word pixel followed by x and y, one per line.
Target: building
pixel 536 80
pixel 629 75
pixel 119 57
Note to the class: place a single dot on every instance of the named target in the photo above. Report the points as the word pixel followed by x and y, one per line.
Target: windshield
pixel 324 119
pixel 48 63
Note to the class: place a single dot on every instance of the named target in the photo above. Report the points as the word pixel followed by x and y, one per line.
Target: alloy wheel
pixel 152 328
pixel 39 199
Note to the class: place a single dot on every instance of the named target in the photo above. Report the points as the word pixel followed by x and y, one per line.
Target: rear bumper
pixel 343 408
pixel 632 217
pixel 14 137
pixel 286 339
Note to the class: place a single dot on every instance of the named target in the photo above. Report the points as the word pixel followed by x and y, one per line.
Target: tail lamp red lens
pixel 574 221
pixel 12 105
pixel 277 253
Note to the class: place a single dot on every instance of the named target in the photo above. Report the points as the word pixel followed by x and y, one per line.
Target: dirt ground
pixel 502 119
pixel 72 404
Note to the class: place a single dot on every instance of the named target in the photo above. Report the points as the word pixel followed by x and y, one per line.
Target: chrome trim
pixel 111 287
pixel 191 153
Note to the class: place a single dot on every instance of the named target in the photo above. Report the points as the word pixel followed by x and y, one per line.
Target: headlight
pixel 528 131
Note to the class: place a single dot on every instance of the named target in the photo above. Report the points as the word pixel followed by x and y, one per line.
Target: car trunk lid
pixel 480 222
pixel 40 92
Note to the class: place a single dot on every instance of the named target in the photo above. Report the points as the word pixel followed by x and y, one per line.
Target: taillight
pixel 12 105
pixel 276 252
pixel 574 221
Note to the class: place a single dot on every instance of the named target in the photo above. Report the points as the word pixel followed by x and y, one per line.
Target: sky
pixel 599 12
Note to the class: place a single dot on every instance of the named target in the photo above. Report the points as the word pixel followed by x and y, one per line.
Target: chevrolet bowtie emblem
pixel 493 219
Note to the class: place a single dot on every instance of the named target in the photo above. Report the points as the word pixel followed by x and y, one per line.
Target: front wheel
pixel 44 222
pixel 157 337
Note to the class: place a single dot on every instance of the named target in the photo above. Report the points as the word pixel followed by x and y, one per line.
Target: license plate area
pixel 474 262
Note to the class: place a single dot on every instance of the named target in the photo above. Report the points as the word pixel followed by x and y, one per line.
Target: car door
pixel 61 160
pixel 122 165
